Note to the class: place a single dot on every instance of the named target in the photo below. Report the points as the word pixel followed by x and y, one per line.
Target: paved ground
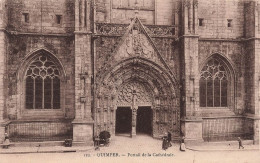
pixel 139 149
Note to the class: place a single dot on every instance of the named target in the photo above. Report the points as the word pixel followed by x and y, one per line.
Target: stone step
pixel 37 144
pixel 218 143
pixel 47 144
pixel 233 142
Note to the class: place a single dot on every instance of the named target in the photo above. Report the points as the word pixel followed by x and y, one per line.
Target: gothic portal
pixel 131 67
pixel 137 77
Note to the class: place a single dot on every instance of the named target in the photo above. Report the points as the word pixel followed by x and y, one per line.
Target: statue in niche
pixel 138 45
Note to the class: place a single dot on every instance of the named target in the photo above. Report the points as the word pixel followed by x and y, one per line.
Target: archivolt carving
pixel 138 82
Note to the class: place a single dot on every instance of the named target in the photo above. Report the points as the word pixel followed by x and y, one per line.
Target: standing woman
pixel 182 146
pixel 169 137
pixel 6 143
pixel 165 142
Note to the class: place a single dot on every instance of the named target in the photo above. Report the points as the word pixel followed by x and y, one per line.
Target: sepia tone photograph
pixel 130 81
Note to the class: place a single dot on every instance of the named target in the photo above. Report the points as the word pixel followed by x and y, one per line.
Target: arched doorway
pixel 138 83
pixel 123 120
pixel 144 120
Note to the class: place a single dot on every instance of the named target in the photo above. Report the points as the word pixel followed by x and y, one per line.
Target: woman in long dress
pixel 6 142
pixel 165 142
pixel 169 139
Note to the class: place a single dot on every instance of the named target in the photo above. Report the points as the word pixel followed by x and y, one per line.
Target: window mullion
pixel 52 93
pixel 213 92
pixel 206 92
pixel 42 93
pixel 33 93
pixel 220 89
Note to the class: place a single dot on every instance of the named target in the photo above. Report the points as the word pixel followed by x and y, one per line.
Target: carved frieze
pixel 111 29
pixel 160 30
pixel 107 29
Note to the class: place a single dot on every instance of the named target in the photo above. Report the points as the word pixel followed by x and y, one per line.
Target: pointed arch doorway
pixel 144 120
pixel 137 83
pixel 134 94
pixel 123 120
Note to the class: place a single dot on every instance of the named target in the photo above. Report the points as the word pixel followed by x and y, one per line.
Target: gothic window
pixel 213 85
pixel 42 84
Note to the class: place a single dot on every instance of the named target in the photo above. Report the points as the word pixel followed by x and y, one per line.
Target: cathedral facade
pixel 70 69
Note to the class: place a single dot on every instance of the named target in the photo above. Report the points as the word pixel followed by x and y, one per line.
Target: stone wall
pixel 257 77
pixel 121 11
pixel 252 75
pixel 3 49
pixel 39 131
pixel 216 15
pixel 249 75
pixel 164 12
pixel 42 16
pixel 3 14
pixel 219 129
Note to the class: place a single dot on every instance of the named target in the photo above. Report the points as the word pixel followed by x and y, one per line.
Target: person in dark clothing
pixel 6 143
pixel 169 139
pixel 240 143
pixel 165 142
pixel 96 142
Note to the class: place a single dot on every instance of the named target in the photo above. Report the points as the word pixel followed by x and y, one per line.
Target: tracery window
pixel 213 85
pixel 42 84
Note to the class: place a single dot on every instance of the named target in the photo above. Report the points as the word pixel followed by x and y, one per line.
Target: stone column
pixel 134 112
pixel 2 88
pixel 252 68
pixel 191 123
pixel 3 51
pixel 83 122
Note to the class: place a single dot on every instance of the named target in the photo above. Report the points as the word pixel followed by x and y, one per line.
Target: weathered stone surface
pixel 118 53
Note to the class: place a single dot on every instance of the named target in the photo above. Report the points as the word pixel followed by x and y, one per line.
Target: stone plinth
pixel 256 131
pixel 253 123
pixel 2 134
pixel 83 132
pixel 192 130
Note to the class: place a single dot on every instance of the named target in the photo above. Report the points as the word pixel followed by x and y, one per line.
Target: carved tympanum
pixel 133 93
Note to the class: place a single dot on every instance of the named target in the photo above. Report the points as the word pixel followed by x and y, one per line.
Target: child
pixel 6 141
pixel 182 146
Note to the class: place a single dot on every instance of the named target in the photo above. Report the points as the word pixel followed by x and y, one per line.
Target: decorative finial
pixel 136 8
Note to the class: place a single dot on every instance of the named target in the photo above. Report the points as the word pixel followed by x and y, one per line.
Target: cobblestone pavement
pixel 141 148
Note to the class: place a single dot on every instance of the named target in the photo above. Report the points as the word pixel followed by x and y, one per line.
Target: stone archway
pixel 144 120
pixel 133 83
pixel 123 120
pixel 134 93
